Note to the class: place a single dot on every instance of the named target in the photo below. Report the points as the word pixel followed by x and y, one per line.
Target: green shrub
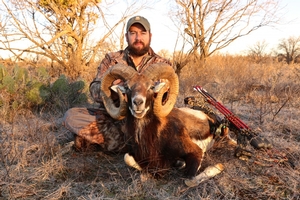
pixel 21 75
pixel 38 93
pixel 60 86
pixel 9 84
pixel 42 74
pixel 66 94
pixel 3 72
pixel 21 88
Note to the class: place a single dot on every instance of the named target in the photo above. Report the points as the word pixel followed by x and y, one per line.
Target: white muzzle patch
pixel 138 106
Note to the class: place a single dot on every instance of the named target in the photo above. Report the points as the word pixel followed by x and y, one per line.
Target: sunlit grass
pixel 37 160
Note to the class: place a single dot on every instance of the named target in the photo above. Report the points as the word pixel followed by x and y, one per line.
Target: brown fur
pixel 156 143
pixel 157 133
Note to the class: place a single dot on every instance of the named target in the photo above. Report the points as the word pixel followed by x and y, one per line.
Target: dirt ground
pixel 38 161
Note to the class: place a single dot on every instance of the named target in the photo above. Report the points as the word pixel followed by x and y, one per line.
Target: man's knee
pixel 73 112
pixel 77 118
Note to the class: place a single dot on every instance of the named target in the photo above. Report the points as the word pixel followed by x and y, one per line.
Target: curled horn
pixel 163 71
pixel 118 71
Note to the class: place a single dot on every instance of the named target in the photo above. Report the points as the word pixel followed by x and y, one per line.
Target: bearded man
pixel 93 126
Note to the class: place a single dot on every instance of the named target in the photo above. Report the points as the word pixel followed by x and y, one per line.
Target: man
pixel 95 126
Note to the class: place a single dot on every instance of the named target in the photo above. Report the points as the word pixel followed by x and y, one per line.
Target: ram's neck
pixel 140 127
pixel 143 129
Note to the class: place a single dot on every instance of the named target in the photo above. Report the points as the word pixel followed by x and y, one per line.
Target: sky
pixel 165 33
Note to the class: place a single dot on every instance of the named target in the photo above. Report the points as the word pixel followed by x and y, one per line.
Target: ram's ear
pixel 158 86
pixel 121 87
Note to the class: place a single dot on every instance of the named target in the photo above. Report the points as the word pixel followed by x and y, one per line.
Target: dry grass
pixel 37 160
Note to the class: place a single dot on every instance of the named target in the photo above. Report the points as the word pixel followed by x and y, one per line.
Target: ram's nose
pixel 138 101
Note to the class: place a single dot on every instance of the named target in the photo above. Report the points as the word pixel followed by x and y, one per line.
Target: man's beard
pixel 138 52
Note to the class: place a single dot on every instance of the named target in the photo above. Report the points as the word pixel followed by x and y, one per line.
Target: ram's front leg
pixel 194 162
pixel 193 156
pixel 130 161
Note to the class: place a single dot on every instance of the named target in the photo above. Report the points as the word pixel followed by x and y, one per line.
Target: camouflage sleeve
pixel 160 59
pixel 95 84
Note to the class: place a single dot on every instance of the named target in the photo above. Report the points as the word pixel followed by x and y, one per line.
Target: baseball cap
pixel 138 19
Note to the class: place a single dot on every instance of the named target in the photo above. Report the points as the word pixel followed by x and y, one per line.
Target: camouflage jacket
pixel 122 57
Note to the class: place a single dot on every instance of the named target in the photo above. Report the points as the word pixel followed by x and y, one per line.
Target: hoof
pixel 208 173
pixel 130 161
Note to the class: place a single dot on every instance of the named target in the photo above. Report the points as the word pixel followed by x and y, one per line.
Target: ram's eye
pixel 152 87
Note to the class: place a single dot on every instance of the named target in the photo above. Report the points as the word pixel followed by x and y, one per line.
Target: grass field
pixel 37 159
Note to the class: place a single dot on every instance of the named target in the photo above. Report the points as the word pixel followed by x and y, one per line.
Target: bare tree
pixel 62 31
pixel 289 49
pixel 258 51
pixel 211 25
pixel 165 53
pixel 180 58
